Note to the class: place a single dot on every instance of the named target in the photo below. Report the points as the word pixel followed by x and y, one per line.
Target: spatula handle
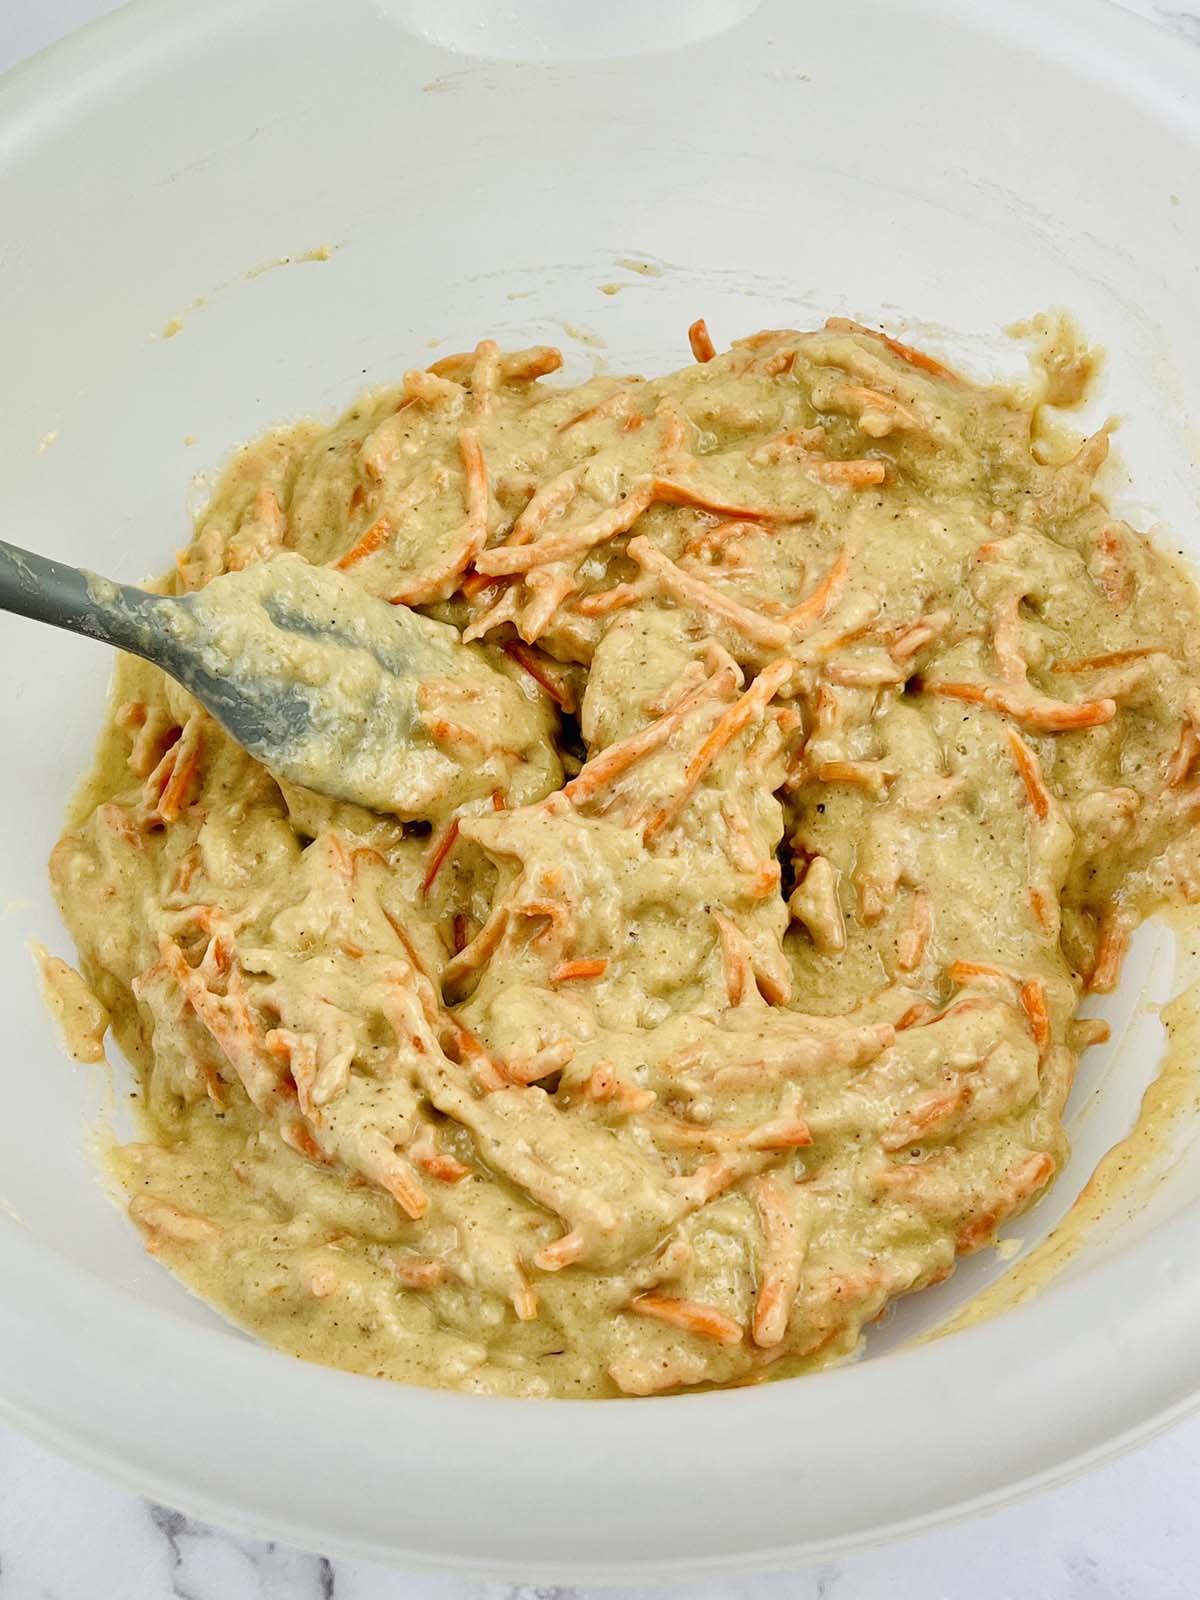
pixel 68 597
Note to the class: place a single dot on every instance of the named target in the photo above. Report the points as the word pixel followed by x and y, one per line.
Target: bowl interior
pixel 224 217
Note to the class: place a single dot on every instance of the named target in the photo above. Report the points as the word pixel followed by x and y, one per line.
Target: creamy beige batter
pixel 879 733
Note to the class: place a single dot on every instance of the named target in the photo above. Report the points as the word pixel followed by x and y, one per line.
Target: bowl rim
pixel 133 1377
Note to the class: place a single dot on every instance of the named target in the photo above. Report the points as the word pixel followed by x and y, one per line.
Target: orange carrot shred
pixel 1033 1003
pixel 438 854
pixel 701 341
pixel 743 711
pixel 691 1316
pixel 1043 716
pixel 531 660
pixel 1030 771
pixel 1115 658
pixel 915 358
pixel 589 967
pixel 376 536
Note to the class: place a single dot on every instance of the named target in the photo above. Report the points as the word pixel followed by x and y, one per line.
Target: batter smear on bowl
pixel 852 736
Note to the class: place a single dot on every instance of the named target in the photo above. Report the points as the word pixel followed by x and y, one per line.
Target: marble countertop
pixel 1128 1531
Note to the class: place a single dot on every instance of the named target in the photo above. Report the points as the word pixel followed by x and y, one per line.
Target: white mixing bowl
pixel 959 163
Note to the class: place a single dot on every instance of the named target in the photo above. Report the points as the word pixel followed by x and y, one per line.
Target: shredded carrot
pixel 760 630
pixel 878 413
pixel 863 774
pixel 773 366
pixel 700 340
pixel 1089 1031
pixel 547 500
pixel 1113 576
pixel 735 957
pixel 933 1113
pixel 673 492
pixel 386 524
pixel 455 366
pixel 605 1086
pixel 915 358
pixel 708 541
pixel 920 1011
pixel 674 428
pixel 521 366
pixel 298 1136
pixel 617 404
pixel 183 780
pixel 1043 911
pixel 400 1181
pixel 475 478
pixel 524 1298
pixel 439 582
pixel 1183 758
pixel 524 1070
pixel 1007 639
pixel 690 1315
pixel 480 949
pixel 415 1272
pixel 908 641
pixel 600 1082
pixel 1030 770
pixel 503 608
pixel 782 1260
pixel 475 583
pixel 1112 941
pixel 466 1048
pixel 550 586
pixel 855 474
pixel 443 730
pixel 1115 658
pixel 438 853
pixel 1033 1003
pixel 805 440
pixel 375 538
pixel 589 967
pixel 189 863
pixel 485 375
pixel 510 558
pixel 811 610
pixel 1019 1184
pixel 426 388
pixel 1041 715
pixel 600 603
pixel 780 1133
pixel 748 708
pixel 910 948
pixel 446 1168
pixel 865 674
pixel 755 341
pixel 229 1020
pixel 560 923
pixel 518 366
pixel 617 758
pixel 536 665
pixel 561 1253
pixel 964 971
pixel 180 788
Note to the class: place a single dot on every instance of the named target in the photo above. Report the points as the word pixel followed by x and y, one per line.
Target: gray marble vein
pixel 202 1564
pixel 1184 22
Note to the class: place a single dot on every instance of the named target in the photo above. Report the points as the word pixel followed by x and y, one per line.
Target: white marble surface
pixel 1128 1531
